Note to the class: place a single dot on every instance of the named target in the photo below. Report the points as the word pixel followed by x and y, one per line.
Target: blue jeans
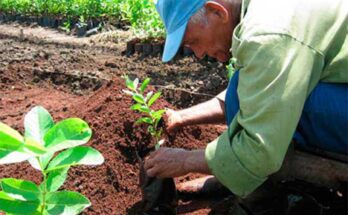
pixel 324 121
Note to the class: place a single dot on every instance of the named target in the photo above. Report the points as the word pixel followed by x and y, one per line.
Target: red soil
pixel 112 187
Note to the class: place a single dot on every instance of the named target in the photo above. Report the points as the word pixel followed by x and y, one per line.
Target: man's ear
pixel 217 9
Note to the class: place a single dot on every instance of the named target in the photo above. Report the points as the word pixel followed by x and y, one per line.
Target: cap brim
pixel 173 42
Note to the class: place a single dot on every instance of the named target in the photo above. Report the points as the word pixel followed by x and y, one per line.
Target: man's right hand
pixel 174 121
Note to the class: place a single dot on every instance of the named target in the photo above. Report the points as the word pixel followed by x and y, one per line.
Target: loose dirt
pixel 85 83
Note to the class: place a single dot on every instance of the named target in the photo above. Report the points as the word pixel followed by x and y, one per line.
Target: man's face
pixel 212 38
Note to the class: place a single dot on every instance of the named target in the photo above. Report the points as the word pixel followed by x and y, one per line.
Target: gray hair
pixel 199 17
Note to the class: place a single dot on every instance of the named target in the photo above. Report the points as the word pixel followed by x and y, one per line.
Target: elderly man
pixel 292 58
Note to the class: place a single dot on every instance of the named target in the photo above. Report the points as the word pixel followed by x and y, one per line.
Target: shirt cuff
pixel 226 167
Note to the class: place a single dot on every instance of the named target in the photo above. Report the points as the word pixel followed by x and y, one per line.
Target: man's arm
pixel 277 73
pixel 210 112
pixel 167 162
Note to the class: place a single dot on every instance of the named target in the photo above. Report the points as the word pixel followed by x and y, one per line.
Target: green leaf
pixel 154 98
pixel 66 203
pixel 32 146
pixel 56 179
pixel 8 157
pixel 37 122
pixel 144 84
pixel 158 114
pixel 20 189
pixel 144 109
pixel 136 107
pixel 147 120
pixel 76 156
pixel 135 83
pixel 15 206
pixel 148 96
pixel 139 98
pixel 128 92
pixel 10 139
pixel 129 83
pixel 67 134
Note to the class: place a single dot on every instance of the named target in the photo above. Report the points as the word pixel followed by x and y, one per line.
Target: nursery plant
pixel 143 104
pixel 52 149
pixel 159 195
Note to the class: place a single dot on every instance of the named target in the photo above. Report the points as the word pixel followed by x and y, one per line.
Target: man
pixel 284 49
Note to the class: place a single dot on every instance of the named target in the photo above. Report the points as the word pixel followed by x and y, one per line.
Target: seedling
pixel 41 141
pixel 66 27
pixel 82 22
pixel 144 102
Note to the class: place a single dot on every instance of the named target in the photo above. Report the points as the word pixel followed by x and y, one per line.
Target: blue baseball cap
pixel 175 15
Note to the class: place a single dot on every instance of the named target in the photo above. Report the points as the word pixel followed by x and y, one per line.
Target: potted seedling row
pixel 158 194
pixel 51 148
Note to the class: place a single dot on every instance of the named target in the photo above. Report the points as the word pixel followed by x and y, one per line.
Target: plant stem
pixel 44 191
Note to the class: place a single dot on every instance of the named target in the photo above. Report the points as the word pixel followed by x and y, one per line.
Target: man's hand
pixel 166 163
pixel 174 121
pixel 174 162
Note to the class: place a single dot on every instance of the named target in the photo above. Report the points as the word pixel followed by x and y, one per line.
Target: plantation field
pixel 73 77
pixel 139 15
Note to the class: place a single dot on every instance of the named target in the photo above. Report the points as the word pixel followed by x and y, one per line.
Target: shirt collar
pixel 245 4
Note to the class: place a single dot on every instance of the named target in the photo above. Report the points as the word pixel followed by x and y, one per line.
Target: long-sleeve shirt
pixel 283 49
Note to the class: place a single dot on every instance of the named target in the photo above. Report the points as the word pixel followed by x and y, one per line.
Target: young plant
pixel 82 22
pixel 66 27
pixel 41 141
pixel 143 104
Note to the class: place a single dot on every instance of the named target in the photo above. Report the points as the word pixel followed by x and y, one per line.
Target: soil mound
pixel 113 187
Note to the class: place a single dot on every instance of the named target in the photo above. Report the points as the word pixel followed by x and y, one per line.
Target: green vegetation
pixel 141 15
pixel 231 67
pixel 41 141
pixel 143 104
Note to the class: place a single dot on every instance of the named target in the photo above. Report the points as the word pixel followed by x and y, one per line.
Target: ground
pixel 81 78
pixel 71 79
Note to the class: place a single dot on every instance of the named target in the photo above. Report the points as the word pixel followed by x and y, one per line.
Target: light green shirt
pixel 283 49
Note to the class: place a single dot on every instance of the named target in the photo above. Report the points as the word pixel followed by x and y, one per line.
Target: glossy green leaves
pixel 43 139
pixel 16 206
pixel 67 134
pixel 19 196
pixel 37 122
pixel 76 156
pixel 10 139
pixel 15 148
pixel 20 189
pixel 66 202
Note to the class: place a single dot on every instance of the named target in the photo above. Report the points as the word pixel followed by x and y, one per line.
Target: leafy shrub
pixel 141 14
pixel 42 140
